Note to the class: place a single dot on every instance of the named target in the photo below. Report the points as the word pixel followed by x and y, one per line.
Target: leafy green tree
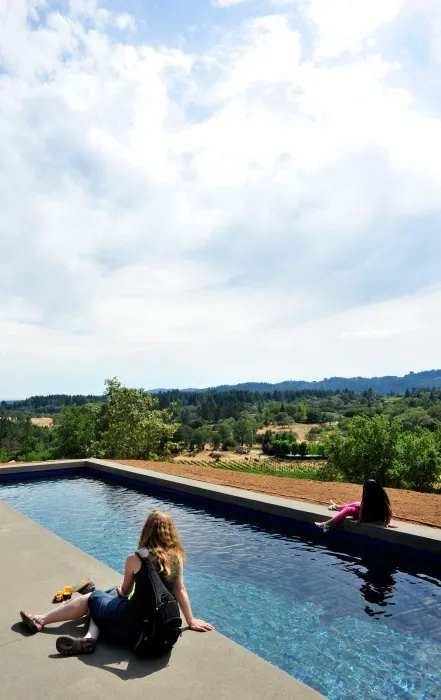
pixel 226 430
pixel 229 443
pixel 135 426
pixel 245 429
pixel 416 418
pixel 267 441
pixel 314 415
pixel 418 461
pixel 187 415
pixel 215 440
pixel 369 450
pixel 184 435
pixel 435 413
pixel 266 416
pixel 201 436
pixel 282 418
pixel 301 413
pixel 369 395
pixel 76 432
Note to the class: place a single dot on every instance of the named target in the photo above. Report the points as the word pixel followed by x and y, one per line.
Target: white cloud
pixel 250 211
pixel 125 21
pixel 344 25
pixel 228 3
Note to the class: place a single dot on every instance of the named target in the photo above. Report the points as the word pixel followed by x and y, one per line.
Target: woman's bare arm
pixel 181 595
pixel 132 566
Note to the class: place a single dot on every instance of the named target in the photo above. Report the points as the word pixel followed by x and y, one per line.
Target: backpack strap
pixel 160 591
pixel 143 553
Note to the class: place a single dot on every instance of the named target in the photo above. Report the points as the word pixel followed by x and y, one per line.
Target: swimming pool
pixel 350 620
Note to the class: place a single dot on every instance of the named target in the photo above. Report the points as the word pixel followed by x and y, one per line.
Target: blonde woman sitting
pixel 120 619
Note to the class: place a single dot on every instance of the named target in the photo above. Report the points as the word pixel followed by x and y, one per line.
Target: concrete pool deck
pixel 36 563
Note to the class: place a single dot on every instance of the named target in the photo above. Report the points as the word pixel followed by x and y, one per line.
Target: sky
pixel 217 191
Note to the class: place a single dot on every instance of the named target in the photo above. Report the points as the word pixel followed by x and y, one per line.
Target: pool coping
pixel 408 536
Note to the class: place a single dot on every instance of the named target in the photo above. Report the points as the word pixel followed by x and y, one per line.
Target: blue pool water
pixel 349 620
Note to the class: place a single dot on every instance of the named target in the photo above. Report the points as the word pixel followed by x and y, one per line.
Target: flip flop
pixel 72 646
pixel 83 587
pixel 30 623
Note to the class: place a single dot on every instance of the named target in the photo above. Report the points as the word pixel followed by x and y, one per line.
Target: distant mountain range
pixel 381 385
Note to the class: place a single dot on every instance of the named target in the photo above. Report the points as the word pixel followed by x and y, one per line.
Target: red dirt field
pixel 410 506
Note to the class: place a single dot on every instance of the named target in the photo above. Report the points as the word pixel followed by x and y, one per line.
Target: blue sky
pixel 196 193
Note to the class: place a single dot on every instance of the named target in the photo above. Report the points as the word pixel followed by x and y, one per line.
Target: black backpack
pixel 162 628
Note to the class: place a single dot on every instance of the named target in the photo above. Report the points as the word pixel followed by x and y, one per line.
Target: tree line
pixel 396 438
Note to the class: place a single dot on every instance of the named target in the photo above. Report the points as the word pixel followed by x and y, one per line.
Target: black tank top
pixel 142 598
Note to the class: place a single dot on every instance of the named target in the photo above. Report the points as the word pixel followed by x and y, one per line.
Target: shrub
pixel 303 449
pixel 328 472
pixel 34 457
pixel 229 444
pixel 377 449
pixel 418 464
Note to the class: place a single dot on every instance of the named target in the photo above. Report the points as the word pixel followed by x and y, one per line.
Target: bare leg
pixel 72 610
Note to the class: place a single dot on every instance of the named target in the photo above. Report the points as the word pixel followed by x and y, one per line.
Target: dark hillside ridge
pixel 430 379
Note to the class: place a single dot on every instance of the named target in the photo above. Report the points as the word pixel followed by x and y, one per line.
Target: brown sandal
pixel 30 622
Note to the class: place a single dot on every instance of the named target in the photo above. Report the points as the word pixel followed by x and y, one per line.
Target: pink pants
pixel 347 510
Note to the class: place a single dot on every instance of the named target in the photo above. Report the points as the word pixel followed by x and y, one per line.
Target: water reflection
pixel 377 589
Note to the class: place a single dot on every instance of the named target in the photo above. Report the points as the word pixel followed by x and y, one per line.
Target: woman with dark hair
pixel 120 618
pixel 374 507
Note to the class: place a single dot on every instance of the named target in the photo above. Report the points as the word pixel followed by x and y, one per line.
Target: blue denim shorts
pixel 114 617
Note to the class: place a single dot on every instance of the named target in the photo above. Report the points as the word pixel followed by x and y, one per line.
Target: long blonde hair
pixel 161 537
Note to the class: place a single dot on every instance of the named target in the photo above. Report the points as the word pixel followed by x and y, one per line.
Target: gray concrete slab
pixel 34 564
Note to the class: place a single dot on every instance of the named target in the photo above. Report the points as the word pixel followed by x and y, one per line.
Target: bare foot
pixel 322 526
